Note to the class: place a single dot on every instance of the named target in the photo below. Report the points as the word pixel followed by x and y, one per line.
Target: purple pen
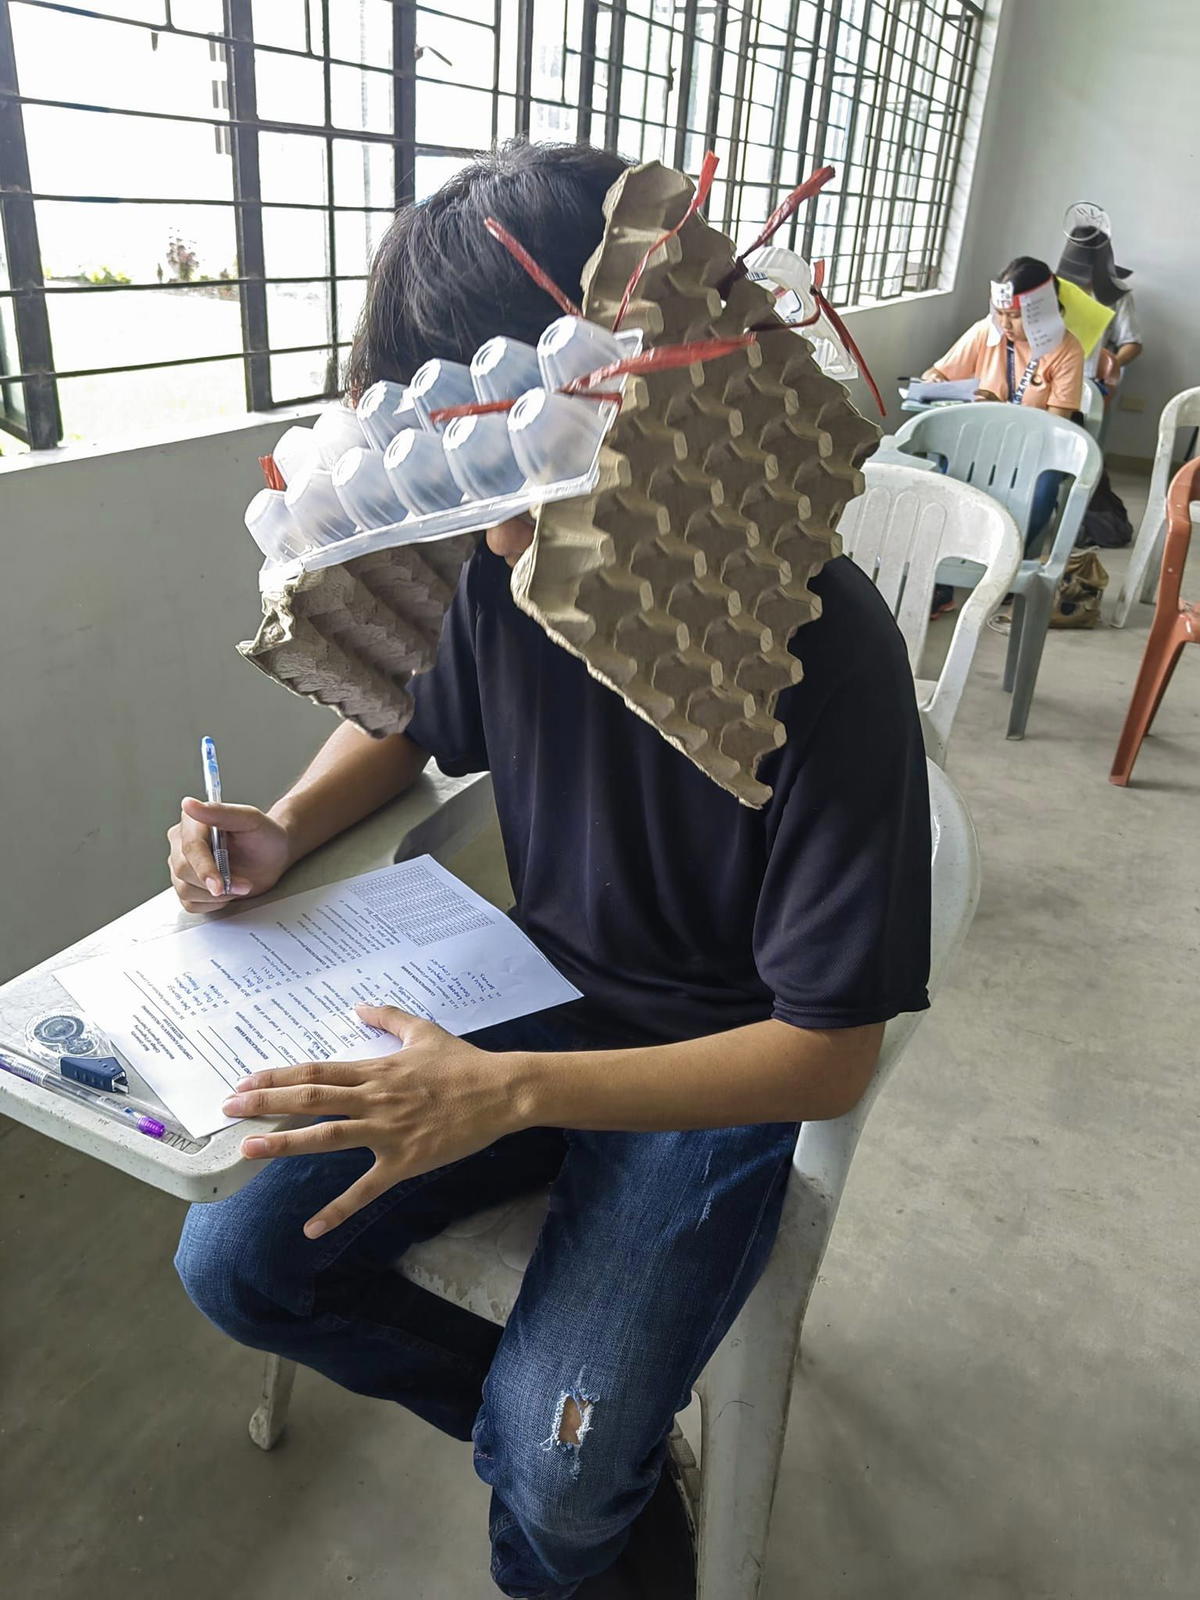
pixel 153 1126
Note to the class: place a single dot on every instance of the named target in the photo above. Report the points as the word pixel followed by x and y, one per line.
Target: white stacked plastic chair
pixel 1141 576
pixel 900 531
pixel 1092 408
pixel 1003 450
pixel 745 1389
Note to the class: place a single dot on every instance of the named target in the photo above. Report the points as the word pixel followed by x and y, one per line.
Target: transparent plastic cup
pixel 313 502
pixel 361 483
pixel 555 436
pixel 383 410
pixel 480 457
pixel 297 452
pixel 334 432
pixel 440 384
pixel 415 463
pixel 272 526
pixel 503 368
pixel 572 346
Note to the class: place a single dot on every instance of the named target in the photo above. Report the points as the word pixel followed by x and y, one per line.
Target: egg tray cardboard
pixel 680 579
pixel 352 637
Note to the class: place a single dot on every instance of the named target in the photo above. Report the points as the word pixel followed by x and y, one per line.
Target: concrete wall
pixel 1096 101
pixel 128 580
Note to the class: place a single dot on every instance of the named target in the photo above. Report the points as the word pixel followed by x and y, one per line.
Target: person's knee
pixel 232 1272
pixel 563 1475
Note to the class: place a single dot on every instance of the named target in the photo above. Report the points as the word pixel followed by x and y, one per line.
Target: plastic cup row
pixel 387 460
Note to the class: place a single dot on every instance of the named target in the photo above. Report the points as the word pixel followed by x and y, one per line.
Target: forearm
pixel 766 1072
pixel 350 776
pixel 1126 354
pixel 934 375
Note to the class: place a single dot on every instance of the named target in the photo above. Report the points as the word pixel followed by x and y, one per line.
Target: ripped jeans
pixel 651 1245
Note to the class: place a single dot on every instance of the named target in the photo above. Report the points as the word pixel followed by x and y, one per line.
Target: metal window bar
pixel 885 81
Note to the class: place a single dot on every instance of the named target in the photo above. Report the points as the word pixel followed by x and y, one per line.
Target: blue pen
pixel 212 793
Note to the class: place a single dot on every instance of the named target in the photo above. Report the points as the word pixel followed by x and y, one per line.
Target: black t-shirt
pixel 669 904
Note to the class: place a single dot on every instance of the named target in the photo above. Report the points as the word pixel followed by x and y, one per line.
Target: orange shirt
pixel 1057 380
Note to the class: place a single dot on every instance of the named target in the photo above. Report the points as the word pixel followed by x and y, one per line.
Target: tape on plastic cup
pixel 572 346
pixel 362 485
pixel 503 368
pixel 334 431
pixel 415 463
pixel 296 452
pixel 554 436
pixel 440 384
pixel 272 526
pixel 383 410
pixel 319 514
pixel 480 456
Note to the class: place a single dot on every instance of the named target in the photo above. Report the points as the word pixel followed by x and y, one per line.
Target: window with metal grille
pixel 192 190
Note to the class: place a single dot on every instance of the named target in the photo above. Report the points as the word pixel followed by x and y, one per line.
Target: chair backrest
pixel 1181 411
pixel 1092 407
pixel 1185 488
pixel 824 1149
pixel 899 530
pixel 1003 450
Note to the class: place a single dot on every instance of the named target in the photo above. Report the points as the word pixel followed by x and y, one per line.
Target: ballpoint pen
pixel 212 792
pixel 150 1120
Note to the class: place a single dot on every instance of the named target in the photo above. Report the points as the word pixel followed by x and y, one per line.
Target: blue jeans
pixel 1041 509
pixel 652 1243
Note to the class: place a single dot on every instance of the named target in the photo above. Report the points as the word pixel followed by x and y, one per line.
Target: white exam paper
pixel 942 389
pixel 194 1012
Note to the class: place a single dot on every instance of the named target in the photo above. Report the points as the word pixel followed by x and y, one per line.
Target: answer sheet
pixel 195 1011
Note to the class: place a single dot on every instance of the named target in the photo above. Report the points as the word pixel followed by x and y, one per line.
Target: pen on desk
pixel 145 1120
pixel 212 792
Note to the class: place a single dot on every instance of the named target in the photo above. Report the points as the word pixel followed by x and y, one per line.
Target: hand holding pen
pixel 259 853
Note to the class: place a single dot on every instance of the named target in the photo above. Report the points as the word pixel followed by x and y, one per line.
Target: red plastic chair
pixel 1175 624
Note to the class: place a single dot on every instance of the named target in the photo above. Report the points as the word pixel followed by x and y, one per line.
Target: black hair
pixel 1087 260
pixel 1025 273
pixel 440 285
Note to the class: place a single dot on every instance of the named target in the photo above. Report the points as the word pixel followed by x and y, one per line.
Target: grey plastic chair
pixel 1003 450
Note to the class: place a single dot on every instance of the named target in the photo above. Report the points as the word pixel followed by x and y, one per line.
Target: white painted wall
pixel 128 579
pixel 1097 102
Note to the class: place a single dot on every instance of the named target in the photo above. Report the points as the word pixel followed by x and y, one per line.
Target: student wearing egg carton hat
pixel 708 768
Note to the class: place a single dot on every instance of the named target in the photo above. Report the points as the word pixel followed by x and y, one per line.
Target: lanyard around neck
pixel 1017 394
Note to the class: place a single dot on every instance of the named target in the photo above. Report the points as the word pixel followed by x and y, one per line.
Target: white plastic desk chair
pixel 1092 408
pixel 745 1389
pixel 900 531
pixel 1003 450
pixel 1141 576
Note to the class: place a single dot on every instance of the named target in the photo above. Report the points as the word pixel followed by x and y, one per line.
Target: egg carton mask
pixel 676 527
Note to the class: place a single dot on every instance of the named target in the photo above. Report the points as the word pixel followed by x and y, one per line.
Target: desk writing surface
pixel 436 816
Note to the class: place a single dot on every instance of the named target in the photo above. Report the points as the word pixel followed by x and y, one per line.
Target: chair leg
pixel 270 1416
pixel 1141 576
pixel 1015 629
pixel 1039 602
pixel 1159 662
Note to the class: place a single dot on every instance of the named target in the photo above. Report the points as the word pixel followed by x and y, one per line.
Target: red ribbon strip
pixel 704 183
pixel 780 215
pixel 271 473
pixel 519 254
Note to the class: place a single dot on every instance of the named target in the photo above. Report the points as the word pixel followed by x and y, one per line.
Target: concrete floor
pixel 998 1399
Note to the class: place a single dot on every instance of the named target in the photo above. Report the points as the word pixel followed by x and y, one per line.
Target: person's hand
pixel 259 853
pixel 986 394
pixel 435 1101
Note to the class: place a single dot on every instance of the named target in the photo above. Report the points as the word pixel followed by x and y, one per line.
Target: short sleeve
pixel 842 928
pixel 962 358
pixel 448 720
pixel 1124 326
pixel 1066 376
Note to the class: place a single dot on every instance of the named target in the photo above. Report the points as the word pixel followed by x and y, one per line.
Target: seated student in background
pixel 998 353
pixel 1040 365
pixel 1087 261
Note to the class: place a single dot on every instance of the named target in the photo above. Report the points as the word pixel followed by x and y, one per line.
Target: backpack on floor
pixel 1105 522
